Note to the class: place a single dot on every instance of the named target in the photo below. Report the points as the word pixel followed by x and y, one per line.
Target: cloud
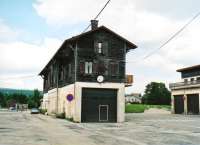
pixel 25 56
pixel 6 32
pixel 25 59
pixel 67 12
pixel 183 51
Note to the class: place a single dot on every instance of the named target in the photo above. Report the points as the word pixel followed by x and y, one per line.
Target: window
pixel 99 47
pixel 192 79
pixel 88 67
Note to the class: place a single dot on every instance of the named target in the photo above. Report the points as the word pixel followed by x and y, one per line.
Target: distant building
pixel 185 94
pixel 86 77
pixel 133 98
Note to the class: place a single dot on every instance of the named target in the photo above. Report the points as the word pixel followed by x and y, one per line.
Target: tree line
pixel 9 100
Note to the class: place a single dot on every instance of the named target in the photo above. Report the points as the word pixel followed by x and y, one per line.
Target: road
pixel 22 128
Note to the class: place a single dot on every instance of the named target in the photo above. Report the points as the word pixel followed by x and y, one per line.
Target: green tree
pixel 157 94
pixel 20 98
pixel 34 101
pixel 2 100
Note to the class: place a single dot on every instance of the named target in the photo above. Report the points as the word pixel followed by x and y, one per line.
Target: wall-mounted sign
pixel 69 97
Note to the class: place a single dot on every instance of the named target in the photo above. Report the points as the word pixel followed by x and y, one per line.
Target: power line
pixel 20 77
pixel 172 37
pixel 98 15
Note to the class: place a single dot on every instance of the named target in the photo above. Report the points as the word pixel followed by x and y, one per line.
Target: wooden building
pixel 85 79
pixel 185 94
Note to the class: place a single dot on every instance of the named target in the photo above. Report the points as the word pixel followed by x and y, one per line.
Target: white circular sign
pixel 100 79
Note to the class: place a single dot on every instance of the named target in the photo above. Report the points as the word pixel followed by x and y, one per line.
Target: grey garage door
pixel 178 104
pixel 99 105
pixel 193 103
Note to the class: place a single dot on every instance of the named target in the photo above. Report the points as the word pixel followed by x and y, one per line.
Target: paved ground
pixel 18 128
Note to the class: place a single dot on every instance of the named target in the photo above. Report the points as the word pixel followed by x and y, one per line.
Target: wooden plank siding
pixel 110 64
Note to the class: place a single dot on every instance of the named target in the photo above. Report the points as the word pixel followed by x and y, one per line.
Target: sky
pixel 31 31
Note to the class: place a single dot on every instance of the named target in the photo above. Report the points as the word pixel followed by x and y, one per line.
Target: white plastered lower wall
pixel 45 101
pixel 57 102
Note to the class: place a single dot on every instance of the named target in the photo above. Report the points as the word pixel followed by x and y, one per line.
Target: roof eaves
pixel 188 68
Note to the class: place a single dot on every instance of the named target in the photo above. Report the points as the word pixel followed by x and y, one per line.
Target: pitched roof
pixel 130 45
pixel 189 68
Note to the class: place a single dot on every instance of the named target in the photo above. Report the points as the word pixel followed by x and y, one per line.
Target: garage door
pixel 193 103
pixel 99 105
pixel 178 104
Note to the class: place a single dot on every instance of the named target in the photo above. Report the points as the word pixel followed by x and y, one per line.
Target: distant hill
pixel 18 91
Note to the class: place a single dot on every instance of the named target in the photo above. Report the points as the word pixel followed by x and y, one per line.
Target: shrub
pixel 43 111
pixel 70 119
pixel 60 115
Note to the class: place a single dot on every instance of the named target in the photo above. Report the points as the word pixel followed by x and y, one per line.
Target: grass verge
pixel 140 108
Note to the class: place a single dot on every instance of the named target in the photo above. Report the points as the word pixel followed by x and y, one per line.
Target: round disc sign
pixel 70 97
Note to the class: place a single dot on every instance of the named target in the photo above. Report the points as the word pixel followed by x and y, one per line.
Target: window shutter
pixel 95 46
pixel 81 67
pixel 95 68
pixel 114 69
pixel 105 48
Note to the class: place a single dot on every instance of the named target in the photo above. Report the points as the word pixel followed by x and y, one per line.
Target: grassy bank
pixel 140 108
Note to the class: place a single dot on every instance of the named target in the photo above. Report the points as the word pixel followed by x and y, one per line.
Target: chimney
pixel 94 24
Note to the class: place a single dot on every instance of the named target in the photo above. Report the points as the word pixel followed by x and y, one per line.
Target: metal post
pixel 75 72
pixel 75 62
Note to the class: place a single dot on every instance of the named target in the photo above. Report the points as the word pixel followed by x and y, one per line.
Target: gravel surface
pixel 22 128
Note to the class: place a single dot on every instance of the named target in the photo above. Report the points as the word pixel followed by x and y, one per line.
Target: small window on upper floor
pixel 185 80
pixel 192 79
pixel 99 47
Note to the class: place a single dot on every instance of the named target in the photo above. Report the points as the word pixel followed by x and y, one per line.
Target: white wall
pixel 63 104
pixel 45 101
pixel 73 109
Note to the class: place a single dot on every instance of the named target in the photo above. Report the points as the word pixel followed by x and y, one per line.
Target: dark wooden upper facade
pixel 188 72
pixel 84 57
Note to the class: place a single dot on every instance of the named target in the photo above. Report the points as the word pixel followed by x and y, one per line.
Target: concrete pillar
pixel 185 104
pixel 121 104
pixel 199 103
pixel 172 104
pixel 78 101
